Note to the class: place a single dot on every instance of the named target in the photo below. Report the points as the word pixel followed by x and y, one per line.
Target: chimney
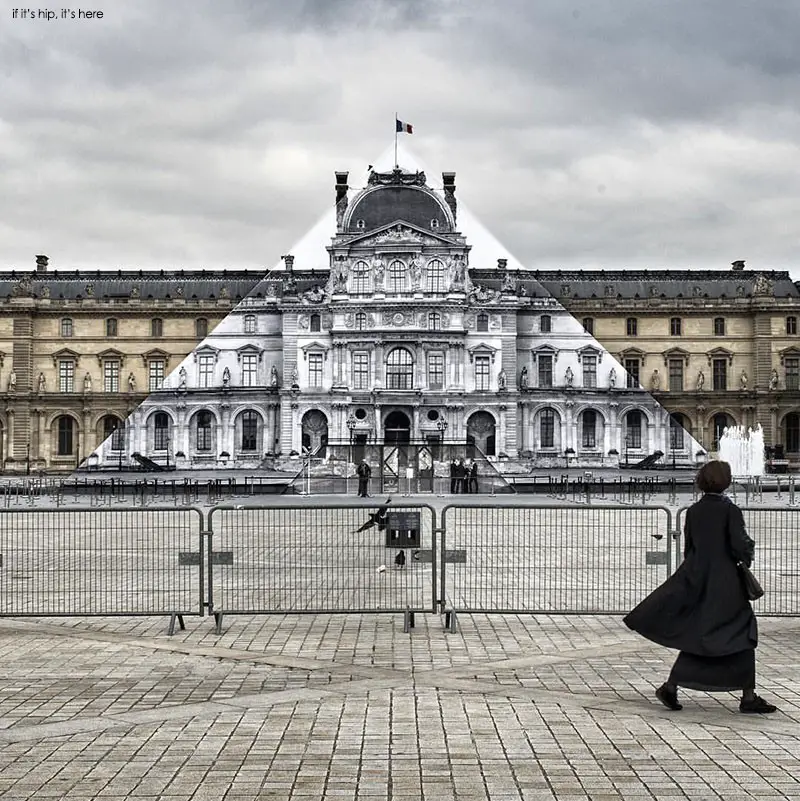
pixel 341 197
pixel 738 265
pixel 502 264
pixel 41 264
pixel 289 261
pixel 449 183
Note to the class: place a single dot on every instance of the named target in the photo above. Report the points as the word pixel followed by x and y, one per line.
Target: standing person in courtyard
pixel 473 477
pixel 453 476
pixel 364 472
pixel 702 609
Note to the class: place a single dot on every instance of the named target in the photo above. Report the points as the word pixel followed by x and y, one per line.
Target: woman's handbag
pixel 752 589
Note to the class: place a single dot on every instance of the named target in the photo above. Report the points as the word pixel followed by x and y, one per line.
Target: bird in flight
pixel 377 518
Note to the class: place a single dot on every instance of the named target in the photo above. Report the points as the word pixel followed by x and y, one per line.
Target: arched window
pixel 792 438
pixel 483 322
pixel 316 322
pixel 156 327
pixel 113 427
pixel 361 321
pixel 720 422
pixel 545 323
pixel 676 432
pixel 161 431
pixel 359 282
pixel 250 324
pixel 547 428
pixel 436 277
pixel 633 429
pixel 397 277
pixel 66 436
pixel 589 428
pixel 201 327
pixel 434 321
pixel 399 369
pixel 66 327
pixel 203 430
pixel 249 441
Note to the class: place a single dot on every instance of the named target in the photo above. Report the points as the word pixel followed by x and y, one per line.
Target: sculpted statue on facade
pixel 315 294
pixel 655 381
pixel 523 378
pixel 131 383
pixel 501 380
pixel 226 378
pixel 701 380
pixel 378 270
pixel 12 380
pixel 273 376
pixel 415 271
pixel 295 378
pixel 509 283
pixel 569 376
pixel 87 383
pixel 743 380
pixel 773 380
pixel 42 382
pixel 612 378
pixel 182 379
pixel 762 285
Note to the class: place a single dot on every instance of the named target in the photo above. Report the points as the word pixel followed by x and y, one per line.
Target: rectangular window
pixel 632 367
pixel 589 429
pixel 675 435
pixel 481 372
pixel 161 435
pixel 315 369
pixel 675 326
pixel 155 374
pixel 111 375
pixel 435 370
pixel 548 429
pixel 719 326
pixel 792 373
pixel 361 371
pixel 249 369
pixel 205 373
pixel 631 326
pixel 676 375
pixel 545 371
pixel 588 325
pixel 66 375
pixel 720 374
pixel 590 372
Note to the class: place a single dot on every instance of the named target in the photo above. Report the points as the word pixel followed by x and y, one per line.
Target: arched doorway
pixel 395 461
pixel 719 422
pixel 315 433
pixel 481 434
pixel 791 432
pixel 396 428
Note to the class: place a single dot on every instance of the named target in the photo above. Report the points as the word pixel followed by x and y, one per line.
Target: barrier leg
pixel 173 617
pixel 408 621
pixel 217 622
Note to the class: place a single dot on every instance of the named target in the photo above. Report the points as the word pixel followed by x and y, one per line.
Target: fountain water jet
pixel 743 450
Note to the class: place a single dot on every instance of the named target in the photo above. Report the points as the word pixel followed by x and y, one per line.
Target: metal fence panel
pixel 85 561
pixel 289 559
pixel 776 531
pixel 598 559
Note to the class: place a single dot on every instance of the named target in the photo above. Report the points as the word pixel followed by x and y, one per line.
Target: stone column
pixel 569 438
pixel 83 438
pixel 502 446
pixel 377 376
pixel 378 424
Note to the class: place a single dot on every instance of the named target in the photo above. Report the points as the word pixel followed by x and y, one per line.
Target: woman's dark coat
pixel 702 608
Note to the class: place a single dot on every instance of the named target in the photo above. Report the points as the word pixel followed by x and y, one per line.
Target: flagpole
pixel 395 140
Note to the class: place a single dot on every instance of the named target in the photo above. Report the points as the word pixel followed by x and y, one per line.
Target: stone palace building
pixel 404 323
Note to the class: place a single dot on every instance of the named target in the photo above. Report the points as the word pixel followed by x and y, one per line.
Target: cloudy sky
pixel 591 133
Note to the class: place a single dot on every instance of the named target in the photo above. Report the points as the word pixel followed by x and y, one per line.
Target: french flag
pixel 403 127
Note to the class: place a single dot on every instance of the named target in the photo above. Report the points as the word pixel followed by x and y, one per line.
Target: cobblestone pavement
pixel 350 707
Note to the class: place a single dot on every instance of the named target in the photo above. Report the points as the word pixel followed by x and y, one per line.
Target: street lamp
pixel 441 424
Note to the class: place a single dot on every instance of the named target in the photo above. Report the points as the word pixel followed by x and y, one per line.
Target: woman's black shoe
pixel 669 698
pixel 757 706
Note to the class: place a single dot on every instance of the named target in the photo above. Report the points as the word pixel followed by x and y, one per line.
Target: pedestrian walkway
pixel 349 707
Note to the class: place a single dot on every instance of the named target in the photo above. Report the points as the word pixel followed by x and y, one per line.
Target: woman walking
pixel 702 609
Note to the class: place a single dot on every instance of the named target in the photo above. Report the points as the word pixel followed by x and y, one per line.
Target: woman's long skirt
pixel 715 673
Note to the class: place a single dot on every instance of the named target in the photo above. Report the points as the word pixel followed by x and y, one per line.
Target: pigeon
pixel 381 569
pixel 377 518
pixel 400 559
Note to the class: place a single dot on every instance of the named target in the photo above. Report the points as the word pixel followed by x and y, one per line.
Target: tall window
pixel 249 323
pixel 201 327
pixel 547 429
pixel 545 362
pixel 113 427
pixel 589 428
pixel 361 320
pixel 481 372
pixel 315 369
pixel 66 375
pixel 675 326
pixel 157 327
pixel 793 432
pixel 631 326
pixel 205 372
pixel 249 369
pixel 111 327
pixel 719 424
pixel 436 282
pixel 719 326
pixel 632 367
pixel 792 366
pixel 361 370
pixel 720 374
pixel 249 441
pixel 483 322
pixel 676 440
pixel 676 375
pixel 588 325
pixel 66 436
pixel 359 281
pixel 791 325
pixel 161 431
pixel 110 375
pixel 545 324
pixel 435 370
pixel 397 277
pixel 633 429
pixel 590 372
pixel 66 327
pixel 204 430
pixel 399 370
pixel 434 321
pixel 316 323
pixel 155 374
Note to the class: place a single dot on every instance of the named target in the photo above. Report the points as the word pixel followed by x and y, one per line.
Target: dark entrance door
pixel 396 436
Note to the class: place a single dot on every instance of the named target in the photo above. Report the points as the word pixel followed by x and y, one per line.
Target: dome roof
pixel 381 205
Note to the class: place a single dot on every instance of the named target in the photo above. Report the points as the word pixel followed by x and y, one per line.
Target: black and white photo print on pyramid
pixel 399 320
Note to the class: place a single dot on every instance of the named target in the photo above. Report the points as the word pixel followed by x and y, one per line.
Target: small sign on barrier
pixel 454 557
pixel 656 558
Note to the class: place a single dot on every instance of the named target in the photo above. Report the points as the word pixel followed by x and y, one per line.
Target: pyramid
pixel 309 252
